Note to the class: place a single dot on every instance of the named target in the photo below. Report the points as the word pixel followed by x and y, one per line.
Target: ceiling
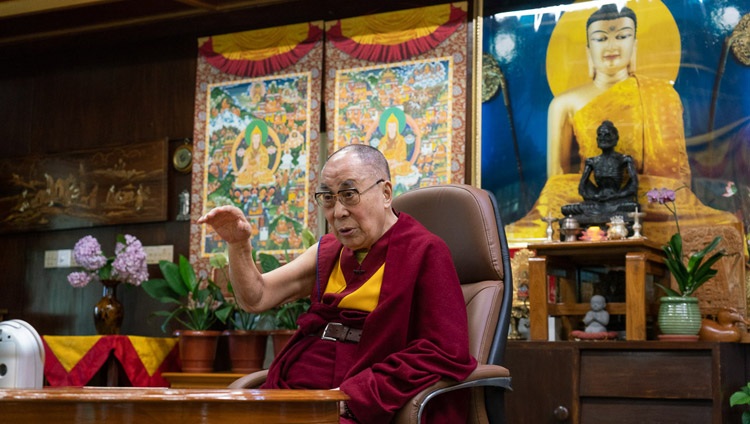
pixel 28 21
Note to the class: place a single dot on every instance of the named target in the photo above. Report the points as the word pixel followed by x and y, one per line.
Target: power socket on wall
pixel 64 258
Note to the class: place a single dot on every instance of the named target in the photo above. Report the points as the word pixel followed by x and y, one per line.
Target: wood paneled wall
pixel 114 88
pixel 82 98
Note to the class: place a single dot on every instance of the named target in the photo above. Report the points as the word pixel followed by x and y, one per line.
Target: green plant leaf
pixel 219 260
pixel 739 398
pixel 188 274
pixel 668 291
pixel 308 238
pixel 268 262
pixel 171 273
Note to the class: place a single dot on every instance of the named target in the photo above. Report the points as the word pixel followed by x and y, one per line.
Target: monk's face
pixel 359 226
pixel 255 138
pixel 611 44
pixel 391 128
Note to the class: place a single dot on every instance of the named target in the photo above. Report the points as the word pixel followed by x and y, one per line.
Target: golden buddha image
pixel 644 107
pixel 393 144
pixel 259 159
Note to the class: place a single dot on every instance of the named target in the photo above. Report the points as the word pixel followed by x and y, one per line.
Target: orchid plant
pixel 128 265
pixel 199 302
pixel 691 275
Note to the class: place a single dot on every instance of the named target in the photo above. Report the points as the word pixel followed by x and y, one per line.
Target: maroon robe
pixel 417 334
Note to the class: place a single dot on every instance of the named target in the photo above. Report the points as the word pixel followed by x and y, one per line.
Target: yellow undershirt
pixel 365 298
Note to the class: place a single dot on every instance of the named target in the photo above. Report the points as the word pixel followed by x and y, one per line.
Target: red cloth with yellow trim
pixel 74 360
pixel 416 334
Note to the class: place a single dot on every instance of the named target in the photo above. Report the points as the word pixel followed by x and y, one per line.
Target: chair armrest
pixel 250 381
pixel 483 376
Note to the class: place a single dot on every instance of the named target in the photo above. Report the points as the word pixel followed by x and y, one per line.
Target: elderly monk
pixel 387 316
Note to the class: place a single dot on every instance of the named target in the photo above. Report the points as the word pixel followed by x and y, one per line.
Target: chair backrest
pixel 466 218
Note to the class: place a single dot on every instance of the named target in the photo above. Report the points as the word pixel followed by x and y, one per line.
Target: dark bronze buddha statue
pixel 609 183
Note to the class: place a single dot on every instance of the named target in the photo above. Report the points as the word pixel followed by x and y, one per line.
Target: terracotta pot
pixel 198 350
pixel 247 349
pixel 108 311
pixel 280 339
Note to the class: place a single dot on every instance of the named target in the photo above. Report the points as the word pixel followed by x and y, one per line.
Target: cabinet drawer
pixel 639 411
pixel 649 374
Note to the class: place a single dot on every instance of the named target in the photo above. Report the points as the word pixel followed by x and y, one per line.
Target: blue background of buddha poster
pixel 682 41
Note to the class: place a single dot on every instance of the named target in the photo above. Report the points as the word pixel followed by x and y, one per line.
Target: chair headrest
pixel 464 217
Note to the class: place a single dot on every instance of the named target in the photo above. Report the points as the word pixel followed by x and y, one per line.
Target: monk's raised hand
pixel 229 222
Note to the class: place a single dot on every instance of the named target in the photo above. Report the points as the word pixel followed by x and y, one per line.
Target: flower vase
pixel 679 317
pixel 108 311
pixel 198 350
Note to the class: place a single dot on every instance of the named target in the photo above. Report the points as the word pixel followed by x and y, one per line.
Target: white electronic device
pixel 21 356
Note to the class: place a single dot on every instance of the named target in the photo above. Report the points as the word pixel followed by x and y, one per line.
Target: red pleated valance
pixel 260 52
pixel 396 36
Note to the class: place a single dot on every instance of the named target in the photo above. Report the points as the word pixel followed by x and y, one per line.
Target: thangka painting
pixel 256 136
pixel 399 84
pixel 113 185
pixel 671 76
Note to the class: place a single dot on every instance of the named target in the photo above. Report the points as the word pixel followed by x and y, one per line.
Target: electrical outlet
pixel 64 258
pixel 154 254
pixel 50 259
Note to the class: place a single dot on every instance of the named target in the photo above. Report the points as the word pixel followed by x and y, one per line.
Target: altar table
pixel 74 360
pixel 639 258
pixel 125 405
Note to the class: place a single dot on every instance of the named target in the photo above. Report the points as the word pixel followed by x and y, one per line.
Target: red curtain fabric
pixel 255 64
pixel 398 51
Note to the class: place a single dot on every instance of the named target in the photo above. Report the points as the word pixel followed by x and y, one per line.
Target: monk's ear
pixel 592 70
pixel 388 193
pixel 631 65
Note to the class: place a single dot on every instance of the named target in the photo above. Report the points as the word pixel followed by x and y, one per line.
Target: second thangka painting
pixel 397 81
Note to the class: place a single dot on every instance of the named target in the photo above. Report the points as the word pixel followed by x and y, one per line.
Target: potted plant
pixel 679 314
pixel 284 316
pixel 246 343
pixel 198 306
pixel 742 397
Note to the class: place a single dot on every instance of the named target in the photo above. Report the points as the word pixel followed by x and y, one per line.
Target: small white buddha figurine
pixel 597 318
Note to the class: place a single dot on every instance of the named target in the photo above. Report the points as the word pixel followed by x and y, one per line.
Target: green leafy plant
pixel 742 397
pixel 284 316
pixel 692 275
pixel 238 318
pixel 199 304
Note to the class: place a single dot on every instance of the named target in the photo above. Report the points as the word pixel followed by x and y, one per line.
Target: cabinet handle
pixel 561 413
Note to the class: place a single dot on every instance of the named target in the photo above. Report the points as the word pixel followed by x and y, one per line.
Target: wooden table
pixel 121 405
pixel 639 257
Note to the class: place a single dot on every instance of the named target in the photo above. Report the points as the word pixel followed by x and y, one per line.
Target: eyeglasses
pixel 347 197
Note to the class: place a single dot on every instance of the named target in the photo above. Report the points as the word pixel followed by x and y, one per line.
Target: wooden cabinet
pixel 624 382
